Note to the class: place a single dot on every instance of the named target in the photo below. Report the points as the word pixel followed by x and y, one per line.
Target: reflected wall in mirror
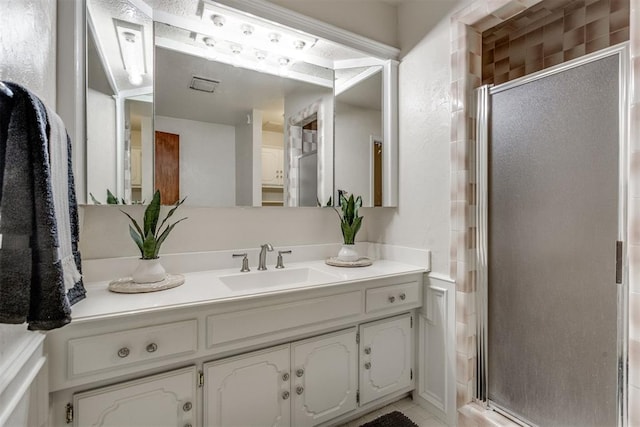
pixel 242 113
pixel 237 126
pixel 358 134
pixel 119 101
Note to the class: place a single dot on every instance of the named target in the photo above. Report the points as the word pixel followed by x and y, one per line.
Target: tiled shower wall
pixel 550 33
pixel 467 27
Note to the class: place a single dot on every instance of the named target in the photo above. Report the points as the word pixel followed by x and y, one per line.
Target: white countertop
pixel 205 287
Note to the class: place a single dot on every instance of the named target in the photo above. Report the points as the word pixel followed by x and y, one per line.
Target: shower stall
pixel 551 201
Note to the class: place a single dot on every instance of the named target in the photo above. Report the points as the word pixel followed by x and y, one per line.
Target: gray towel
pixel 32 285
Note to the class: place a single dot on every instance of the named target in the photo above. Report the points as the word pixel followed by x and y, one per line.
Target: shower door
pixel 553 223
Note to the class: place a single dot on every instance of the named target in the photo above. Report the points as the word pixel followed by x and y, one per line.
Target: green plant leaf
pixel 137 239
pixel 355 227
pixel 178 203
pixel 135 223
pixel 93 199
pixel 347 233
pixel 111 199
pixel 164 235
pixel 343 206
pixel 151 214
pixel 149 247
pixel 358 204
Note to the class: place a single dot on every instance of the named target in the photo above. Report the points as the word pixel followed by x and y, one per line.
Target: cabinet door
pixel 386 357
pixel 325 377
pixel 272 166
pixel 248 390
pixel 160 400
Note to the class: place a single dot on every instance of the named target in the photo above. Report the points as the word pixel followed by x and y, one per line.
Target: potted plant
pixel 350 223
pixel 149 238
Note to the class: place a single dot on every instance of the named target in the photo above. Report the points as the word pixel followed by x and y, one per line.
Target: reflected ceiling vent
pixel 203 85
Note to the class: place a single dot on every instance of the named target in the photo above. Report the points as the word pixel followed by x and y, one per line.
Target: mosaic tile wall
pixel 467 27
pixel 550 33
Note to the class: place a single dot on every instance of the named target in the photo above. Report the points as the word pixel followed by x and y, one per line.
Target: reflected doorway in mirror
pixel 167 166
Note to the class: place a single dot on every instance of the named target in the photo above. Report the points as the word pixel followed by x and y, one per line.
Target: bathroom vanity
pixel 314 344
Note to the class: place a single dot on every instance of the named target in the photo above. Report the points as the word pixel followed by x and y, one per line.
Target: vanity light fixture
pixel 254 33
pixel 131 43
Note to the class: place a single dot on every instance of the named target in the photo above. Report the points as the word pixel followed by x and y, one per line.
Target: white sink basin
pixel 303 276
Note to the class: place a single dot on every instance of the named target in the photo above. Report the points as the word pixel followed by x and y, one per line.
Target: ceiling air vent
pixel 203 85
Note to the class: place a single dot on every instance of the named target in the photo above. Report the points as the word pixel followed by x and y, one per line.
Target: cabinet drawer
pixel 229 327
pixel 118 349
pixel 389 297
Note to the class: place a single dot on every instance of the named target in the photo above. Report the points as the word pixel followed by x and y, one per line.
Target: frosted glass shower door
pixel 552 229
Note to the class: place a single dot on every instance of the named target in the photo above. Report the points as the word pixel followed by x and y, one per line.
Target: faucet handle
pixel 245 261
pixel 279 263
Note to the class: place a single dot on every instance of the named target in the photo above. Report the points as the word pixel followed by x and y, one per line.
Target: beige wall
pixel 422 218
pixel 27 57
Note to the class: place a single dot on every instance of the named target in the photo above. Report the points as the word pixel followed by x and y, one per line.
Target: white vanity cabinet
pixel 303 383
pixel 386 357
pixel 303 357
pixel 249 390
pixel 167 399
pixel 324 374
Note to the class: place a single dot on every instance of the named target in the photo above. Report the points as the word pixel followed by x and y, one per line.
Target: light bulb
pixel 247 29
pixel 283 61
pixel 261 55
pixel 135 78
pixel 209 41
pixel 129 36
pixel 299 44
pixel 236 49
pixel 218 20
pixel 274 38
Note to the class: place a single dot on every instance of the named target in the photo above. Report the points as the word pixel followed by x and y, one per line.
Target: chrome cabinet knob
pixel 367 365
pixel 285 376
pixel 392 299
pixel 299 372
pixel 152 347
pixel 367 350
pixel 403 296
pixel 285 395
pixel 187 407
pixel 299 389
pixel 123 352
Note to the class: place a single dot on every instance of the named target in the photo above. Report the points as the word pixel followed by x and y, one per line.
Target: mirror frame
pixel 384 55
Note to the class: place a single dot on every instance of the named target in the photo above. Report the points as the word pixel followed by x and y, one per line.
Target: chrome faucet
pixel 262 259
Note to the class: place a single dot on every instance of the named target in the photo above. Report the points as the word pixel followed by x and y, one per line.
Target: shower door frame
pixel 482 114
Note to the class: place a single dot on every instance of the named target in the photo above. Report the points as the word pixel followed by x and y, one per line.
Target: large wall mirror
pixel 202 100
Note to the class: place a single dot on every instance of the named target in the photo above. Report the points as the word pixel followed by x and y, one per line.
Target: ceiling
pixel 240 90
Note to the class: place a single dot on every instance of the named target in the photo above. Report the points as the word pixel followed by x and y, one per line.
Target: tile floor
pixel 419 416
